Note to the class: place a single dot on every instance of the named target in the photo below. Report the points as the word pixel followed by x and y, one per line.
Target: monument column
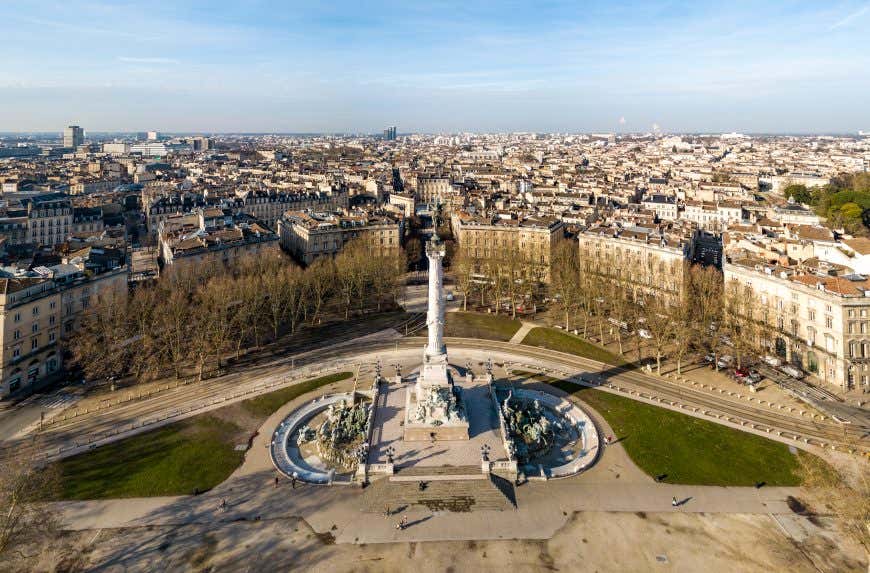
pixel 435 314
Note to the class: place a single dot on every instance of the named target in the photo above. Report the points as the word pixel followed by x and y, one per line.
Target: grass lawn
pixel 560 341
pixel 689 450
pixel 198 452
pixel 482 326
pixel 266 404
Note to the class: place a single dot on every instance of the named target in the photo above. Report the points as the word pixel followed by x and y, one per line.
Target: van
pixel 792 371
pixel 772 360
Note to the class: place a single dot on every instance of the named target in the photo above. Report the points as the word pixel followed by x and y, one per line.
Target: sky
pixel 768 66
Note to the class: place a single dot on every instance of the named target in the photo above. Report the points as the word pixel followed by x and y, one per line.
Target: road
pixel 185 400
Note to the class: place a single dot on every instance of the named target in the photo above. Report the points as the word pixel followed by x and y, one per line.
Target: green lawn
pixel 266 404
pixel 688 450
pixel 481 326
pixel 560 341
pixel 173 460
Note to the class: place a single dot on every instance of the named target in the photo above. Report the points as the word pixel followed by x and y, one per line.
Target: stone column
pixel 435 314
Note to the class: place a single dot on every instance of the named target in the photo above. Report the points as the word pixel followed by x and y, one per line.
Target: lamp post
pixel 484 452
pixel 390 451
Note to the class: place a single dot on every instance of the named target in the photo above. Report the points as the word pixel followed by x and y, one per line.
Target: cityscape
pixel 404 305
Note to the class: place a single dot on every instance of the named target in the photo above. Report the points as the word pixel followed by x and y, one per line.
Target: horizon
pixel 260 68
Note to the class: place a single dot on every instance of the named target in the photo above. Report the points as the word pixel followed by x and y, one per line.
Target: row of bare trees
pixel 505 279
pixel 678 309
pixel 197 318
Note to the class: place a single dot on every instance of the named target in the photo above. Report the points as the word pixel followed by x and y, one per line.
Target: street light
pixel 390 451
pixel 484 452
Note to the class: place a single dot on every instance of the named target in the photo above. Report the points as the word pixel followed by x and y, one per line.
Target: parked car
pixel 772 360
pixel 710 358
pixel 644 333
pixel 792 371
pixel 724 361
pixel 449 296
pixel 741 373
pixel 755 376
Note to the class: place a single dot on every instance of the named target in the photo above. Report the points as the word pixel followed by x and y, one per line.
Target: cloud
pixel 850 18
pixel 159 61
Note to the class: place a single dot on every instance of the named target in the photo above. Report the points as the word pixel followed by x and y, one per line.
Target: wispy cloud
pixel 152 61
pixel 850 18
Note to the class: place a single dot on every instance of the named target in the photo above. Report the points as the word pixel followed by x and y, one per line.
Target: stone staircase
pixel 447 489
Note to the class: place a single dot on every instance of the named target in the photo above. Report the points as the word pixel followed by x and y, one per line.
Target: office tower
pixel 73 136
pixel 390 133
pixel 152 136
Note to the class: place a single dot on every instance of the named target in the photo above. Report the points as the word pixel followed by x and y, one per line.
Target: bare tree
pixel 24 485
pixel 464 266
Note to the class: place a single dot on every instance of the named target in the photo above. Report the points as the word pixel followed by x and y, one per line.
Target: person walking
pixel 223 505
pixel 674 502
pixel 293 482
pixel 387 511
pixel 404 521
pixel 276 482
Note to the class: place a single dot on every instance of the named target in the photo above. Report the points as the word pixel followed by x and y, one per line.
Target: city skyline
pixel 479 67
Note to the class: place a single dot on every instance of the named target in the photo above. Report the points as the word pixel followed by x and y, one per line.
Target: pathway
pixel 522 332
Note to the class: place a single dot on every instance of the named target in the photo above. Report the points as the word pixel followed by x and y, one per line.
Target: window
pixel 829 322
pixel 51 337
pixel 16 352
pixel 35 327
pixel 35 310
pixel 17 317
pixel 34 343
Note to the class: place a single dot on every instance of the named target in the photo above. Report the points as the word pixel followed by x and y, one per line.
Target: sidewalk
pixel 522 332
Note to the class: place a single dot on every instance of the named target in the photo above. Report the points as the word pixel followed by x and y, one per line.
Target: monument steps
pixel 440 495
pixel 439 473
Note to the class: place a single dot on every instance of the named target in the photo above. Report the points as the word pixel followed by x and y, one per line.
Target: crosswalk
pixel 50 401
pixel 57 401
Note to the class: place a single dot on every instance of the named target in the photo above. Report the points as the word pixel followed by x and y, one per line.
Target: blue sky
pixel 249 65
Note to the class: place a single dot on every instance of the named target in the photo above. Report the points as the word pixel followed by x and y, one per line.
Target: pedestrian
pixel 224 504
pixel 293 482
pixel 387 510
pixel 674 502
pixel 404 521
pixel 276 482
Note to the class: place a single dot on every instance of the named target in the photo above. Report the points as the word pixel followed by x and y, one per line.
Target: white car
pixel 644 334
pixel 792 371
pixel 449 296
pixel 772 360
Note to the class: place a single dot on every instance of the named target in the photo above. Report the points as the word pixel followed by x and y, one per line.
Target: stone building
pixel 40 309
pixel 487 237
pixel 645 258
pixel 211 235
pixel 818 322
pixel 308 235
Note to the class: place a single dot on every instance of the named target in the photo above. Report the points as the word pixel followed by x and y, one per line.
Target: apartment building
pixel 712 216
pixel 664 206
pixel 645 258
pixel 40 309
pixel 485 237
pixel 818 322
pixel 432 188
pixel 309 235
pixel 211 235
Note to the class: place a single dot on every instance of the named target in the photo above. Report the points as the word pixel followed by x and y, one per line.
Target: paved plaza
pixel 483 430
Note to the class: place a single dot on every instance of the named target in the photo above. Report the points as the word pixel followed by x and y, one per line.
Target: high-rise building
pixel 390 133
pixel 152 136
pixel 73 136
